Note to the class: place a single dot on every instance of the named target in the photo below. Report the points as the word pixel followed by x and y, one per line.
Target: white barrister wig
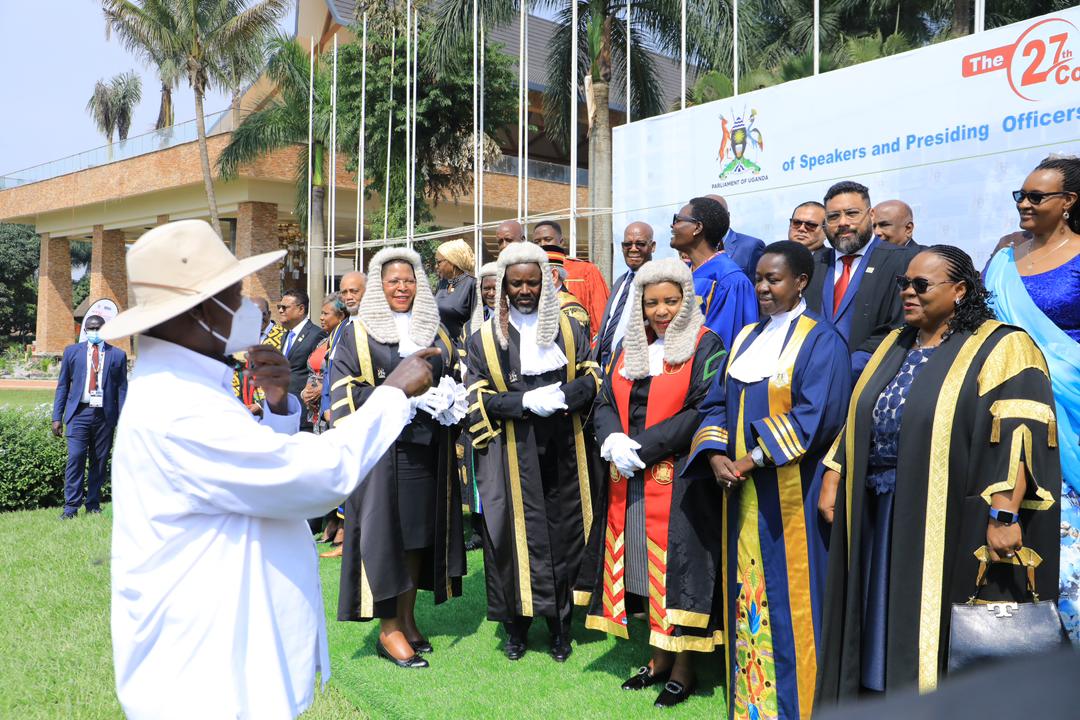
pixel 519 253
pixel 486 270
pixel 680 340
pixel 375 311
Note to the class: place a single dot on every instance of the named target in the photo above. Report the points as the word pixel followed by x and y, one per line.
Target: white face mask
pixel 246 329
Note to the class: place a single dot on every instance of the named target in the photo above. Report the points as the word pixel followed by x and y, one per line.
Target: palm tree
pixel 102 110
pixel 112 103
pixel 283 123
pixel 601 35
pixel 126 93
pixel 208 35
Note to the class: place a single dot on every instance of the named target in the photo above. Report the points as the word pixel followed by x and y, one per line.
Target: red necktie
pixel 842 282
pixel 94 365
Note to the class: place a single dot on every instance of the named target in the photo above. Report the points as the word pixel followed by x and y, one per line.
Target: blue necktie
pixel 613 320
pixel 288 342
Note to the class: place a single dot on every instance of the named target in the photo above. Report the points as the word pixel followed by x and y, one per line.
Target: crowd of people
pixel 793 457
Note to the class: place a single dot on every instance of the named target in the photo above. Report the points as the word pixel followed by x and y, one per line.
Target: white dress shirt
pixel 624 319
pixel 216 603
pixel 838 265
pixel 294 333
pixel 85 399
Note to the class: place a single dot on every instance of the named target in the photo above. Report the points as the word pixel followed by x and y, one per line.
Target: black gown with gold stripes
pixel 410 501
pixel 532 473
pixel 980 406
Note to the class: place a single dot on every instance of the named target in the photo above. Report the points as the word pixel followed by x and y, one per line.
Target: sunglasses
pixel 283 308
pixel 677 218
pixel 1034 196
pixel 920 285
pixel 808 224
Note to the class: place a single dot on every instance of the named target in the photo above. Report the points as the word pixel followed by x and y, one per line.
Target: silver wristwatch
pixel 758 456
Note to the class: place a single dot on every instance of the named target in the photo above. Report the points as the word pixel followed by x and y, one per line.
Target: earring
pixel 1066 215
pixel 956 301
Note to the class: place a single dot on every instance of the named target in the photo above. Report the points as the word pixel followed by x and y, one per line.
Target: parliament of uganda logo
pixel 738 137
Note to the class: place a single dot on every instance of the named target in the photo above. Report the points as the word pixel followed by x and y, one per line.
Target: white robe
pixel 216 603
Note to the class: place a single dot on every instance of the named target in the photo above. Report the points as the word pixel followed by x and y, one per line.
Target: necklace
pixel 1027 254
pixel 919 344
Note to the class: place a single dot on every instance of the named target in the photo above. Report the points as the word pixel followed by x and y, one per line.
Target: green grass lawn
pixel 25 398
pixel 56 661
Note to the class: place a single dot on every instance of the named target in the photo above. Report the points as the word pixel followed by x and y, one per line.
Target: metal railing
pixel 144 144
pixel 538 170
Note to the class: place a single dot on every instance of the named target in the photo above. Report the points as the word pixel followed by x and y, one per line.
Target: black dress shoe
pixel 515 648
pixel 474 543
pixel 414 662
pixel 644 678
pixel 560 648
pixel 67 516
pixel 95 511
pixel 674 692
pixel 421 646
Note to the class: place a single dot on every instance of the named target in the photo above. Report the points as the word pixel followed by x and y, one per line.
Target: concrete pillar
pixel 256 233
pixel 55 324
pixel 108 272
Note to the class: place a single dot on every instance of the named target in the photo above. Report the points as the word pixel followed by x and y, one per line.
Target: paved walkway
pixel 13 384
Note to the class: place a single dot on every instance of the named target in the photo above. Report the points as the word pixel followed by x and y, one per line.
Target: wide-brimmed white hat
pixel 173 268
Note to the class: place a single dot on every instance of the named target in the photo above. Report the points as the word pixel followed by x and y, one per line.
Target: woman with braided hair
pixel 948 465
pixel 1036 285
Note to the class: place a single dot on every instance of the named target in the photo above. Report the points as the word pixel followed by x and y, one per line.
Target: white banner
pixel 951 129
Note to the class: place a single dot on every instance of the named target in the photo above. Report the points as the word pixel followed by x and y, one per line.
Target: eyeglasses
pixel 1034 196
pixel 399 283
pixel 283 308
pixel 627 245
pixel 677 218
pixel 850 214
pixel 920 284
pixel 808 224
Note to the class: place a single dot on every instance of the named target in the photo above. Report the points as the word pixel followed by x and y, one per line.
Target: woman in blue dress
pixel 769 418
pixel 1036 285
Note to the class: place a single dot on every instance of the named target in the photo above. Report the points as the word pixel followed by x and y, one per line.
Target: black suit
pixel 602 351
pixel 875 308
pixel 307 338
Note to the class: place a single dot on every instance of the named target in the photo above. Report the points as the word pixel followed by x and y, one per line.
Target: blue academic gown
pixel 772 518
pixel 726 296
pixel 745 250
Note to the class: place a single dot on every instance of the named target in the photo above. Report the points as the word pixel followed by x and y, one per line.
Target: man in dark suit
pixel 854 282
pixel 301 337
pixel 638 247
pixel 89 396
pixel 744 250
pixel 894 222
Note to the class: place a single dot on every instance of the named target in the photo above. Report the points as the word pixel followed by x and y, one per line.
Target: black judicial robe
pixel 456 299
pixel 530 546
pixel 980 406
pixel 373 571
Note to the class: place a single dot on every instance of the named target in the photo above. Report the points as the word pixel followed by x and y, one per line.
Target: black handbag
pixel 984 631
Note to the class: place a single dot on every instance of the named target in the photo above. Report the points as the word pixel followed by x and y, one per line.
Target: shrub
pixel 31 460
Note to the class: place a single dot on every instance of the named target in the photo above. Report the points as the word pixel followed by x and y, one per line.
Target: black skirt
pixel 416 468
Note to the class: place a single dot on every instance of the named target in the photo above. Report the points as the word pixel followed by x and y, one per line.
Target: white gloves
pixel 544 401
pixel 620 450
pixel 447 402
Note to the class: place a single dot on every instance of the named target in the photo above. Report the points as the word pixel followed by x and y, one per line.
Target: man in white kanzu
pixel 216 603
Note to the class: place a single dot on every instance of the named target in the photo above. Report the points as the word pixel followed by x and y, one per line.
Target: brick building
pixel 111 196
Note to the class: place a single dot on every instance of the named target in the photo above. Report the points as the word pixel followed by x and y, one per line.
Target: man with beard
pixel 854 285
pixel 638 247
pixel 530 383
pixel 351 289
pixel 807 225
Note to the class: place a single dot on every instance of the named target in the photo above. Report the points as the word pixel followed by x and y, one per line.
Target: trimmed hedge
pixel 31 460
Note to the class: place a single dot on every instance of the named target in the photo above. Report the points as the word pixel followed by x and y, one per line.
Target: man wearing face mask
pixel 89 395
pixel 216 601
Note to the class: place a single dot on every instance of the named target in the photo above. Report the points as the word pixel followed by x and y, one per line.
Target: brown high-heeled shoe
pixel 334 552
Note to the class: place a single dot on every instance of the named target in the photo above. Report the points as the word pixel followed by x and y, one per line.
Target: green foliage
pixel 80 290
pixel 20 249
pixel 31 459
pixel 112 103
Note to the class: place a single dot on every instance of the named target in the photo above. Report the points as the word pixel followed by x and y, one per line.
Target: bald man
pixel 744 250
pixel 509 231
pixel 638 247
pixel 352 288
pixel 894 223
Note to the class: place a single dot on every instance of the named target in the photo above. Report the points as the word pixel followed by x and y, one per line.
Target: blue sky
pixel 53 51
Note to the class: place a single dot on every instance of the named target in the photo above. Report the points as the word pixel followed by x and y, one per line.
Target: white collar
pixel 403 322
pixel 535 360
pixel 761 358
pixel 157 355
pixel 299 326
